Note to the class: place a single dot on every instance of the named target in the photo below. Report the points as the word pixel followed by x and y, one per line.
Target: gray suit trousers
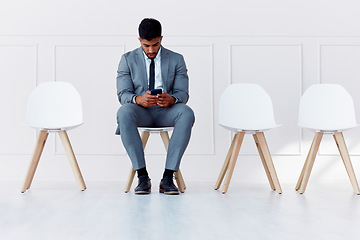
pixel 180 116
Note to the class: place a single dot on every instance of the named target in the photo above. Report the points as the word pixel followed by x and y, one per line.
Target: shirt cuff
pixel 176 99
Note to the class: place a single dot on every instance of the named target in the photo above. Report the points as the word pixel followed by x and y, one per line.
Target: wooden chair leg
pixel 130 180
pixel 72 160
pixel 179 182
pixel 301 177
pixel 340 142
pixel 165 138
pixel 40 143
pixel 268 161
pixel 238 141
pixel 298 185
pixel 178 176
pixel 267 171
pixel 304 177
pixel 225 165
pixel 144 138
pixel 181 179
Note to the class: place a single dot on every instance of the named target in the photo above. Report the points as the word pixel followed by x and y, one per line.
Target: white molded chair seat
pixel 326 108
pixel 247 108
pixel 155 129
pixel 145 133
pixel 54 106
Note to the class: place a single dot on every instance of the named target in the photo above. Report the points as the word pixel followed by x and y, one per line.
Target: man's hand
pixel 165 100
pixel 147 100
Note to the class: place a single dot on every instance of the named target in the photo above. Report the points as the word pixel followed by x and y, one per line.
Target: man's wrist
pixel 175 99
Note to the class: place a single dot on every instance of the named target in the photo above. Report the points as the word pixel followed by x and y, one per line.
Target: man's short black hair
pixel 149 28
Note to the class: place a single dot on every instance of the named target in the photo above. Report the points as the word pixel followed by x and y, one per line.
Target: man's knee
pixel 186 114
pixel 125 112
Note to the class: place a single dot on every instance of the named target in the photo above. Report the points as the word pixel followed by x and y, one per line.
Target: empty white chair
pixel 54 107
pixel 164 133
pixel 326 108
pixel 247 108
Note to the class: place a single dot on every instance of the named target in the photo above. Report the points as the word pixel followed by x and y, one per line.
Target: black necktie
pixel 152 75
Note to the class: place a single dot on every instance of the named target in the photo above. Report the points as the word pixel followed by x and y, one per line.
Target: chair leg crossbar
pixel 41 140
pixel 165 138
pixel 340 142
pixel 232 155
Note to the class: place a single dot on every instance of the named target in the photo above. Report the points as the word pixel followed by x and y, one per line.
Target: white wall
pixel 284 45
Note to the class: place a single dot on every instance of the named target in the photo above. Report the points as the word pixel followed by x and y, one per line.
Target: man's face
pixel 151 48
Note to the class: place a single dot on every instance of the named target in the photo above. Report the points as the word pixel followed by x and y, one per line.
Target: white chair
pixel 326 108
pixel 145 133
pixel 54 107
pixel 247 108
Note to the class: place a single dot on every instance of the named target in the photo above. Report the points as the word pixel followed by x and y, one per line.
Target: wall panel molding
pixel 213 62
pixel 265 51
pixel 92 70
pixel 339 65
pixel 18 77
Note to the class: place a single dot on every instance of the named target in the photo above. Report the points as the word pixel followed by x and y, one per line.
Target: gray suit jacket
pixel 132 77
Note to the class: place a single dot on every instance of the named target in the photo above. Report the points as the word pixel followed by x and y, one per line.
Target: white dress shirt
pixel 158 79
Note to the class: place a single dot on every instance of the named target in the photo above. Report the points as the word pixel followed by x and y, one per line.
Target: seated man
pixel 149 67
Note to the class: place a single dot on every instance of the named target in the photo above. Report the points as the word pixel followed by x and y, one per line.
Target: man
pixel 152 66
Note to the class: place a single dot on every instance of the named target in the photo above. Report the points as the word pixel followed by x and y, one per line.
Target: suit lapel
pixel 140 61
pixel 164 68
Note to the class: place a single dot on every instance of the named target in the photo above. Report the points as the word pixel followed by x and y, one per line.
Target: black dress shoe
pixel 144 186
pixel 168 187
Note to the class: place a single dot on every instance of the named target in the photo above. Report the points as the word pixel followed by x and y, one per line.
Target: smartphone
pixel 156 91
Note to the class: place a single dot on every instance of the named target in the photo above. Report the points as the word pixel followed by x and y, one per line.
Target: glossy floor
pixel 57 210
